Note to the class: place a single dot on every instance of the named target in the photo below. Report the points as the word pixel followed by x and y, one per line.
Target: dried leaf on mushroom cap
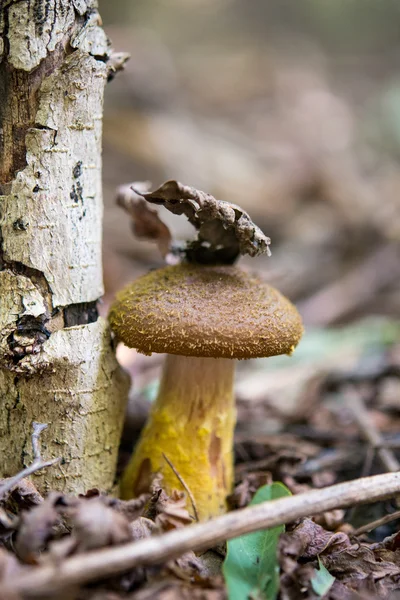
pixel 146 224
pixel 224 229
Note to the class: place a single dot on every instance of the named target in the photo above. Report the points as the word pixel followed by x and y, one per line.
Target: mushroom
pixel 203 317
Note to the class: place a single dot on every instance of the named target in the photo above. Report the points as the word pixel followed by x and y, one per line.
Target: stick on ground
pixel 36 465
pixel 378 523
pixel 103 563
pixel 355 403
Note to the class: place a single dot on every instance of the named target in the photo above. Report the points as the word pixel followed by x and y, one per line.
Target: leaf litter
pixel 314 442
pixel 224 230
pixel 36 531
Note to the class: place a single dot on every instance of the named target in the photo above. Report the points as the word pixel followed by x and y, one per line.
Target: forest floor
pixel 296 144
pixel 328 415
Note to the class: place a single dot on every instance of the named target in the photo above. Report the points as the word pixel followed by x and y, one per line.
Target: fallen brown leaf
pixel 146 224
pixel 130 509
pixel 224 230
pixel 25 495
pixel 95 525
pixel 245 490
pixel 361 570
pixel 168 512
pixel 36 528
pixel 142 528
pixel 172 512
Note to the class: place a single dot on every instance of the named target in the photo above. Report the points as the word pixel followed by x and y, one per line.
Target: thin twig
pixel 334 460
pixel 356 405
pixel 155 550
pixel 36 465
pixel 185 486
pixel 378 523
pixel 354 289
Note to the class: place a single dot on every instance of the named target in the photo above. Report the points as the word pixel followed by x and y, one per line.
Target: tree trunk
pixel 56 357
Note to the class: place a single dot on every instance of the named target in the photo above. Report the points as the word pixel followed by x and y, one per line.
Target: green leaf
pixel 251 568
pixel 322 581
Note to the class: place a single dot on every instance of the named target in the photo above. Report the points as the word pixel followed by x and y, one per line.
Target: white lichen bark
pixel 57 363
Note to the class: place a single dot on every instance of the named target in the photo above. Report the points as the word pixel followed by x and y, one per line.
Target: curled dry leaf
pixel 308 540
pixel 142 528
pixel 224 230
pixel 187 566
pixel 391 543
pixel 95 525
pixel 331 519
pixel 36 528
pixel 168 512
pixel 172 512
pixel 23 495
pixel 130 509
pixel 146 224
pixel 360 562
pixel 245 490
pixel 358 567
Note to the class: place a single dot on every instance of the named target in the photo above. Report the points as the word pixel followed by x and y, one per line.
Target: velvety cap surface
pixel 205 311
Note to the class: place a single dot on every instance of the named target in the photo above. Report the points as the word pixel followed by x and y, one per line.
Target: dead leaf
pixel 172 512
pixel 361 570
pixel 146 224
pixel 142 528
pixel 94 525
pixel 308 540
pixel 245 490
pixel 358 562
pixel 36 528
pixel 331 520
pixel 25 494
pixel 187 566
pixel 224 230
pixel 130 509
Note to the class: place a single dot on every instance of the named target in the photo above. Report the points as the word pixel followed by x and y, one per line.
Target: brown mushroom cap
pixel 209 311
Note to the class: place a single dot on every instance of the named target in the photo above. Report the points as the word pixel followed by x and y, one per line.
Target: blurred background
pixel 291 110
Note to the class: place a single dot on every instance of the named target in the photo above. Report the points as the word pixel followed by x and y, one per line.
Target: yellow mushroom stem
pixel 191 424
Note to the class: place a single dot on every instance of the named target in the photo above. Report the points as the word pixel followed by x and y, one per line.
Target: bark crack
pixel 31 332
pixel 37 277
pixel 80 314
